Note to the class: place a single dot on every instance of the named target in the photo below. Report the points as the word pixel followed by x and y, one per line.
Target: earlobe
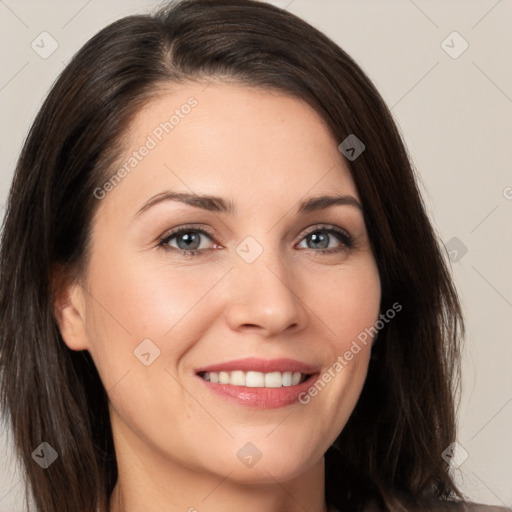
pixel 69 311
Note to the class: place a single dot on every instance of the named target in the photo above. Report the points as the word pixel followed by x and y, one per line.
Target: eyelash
pixel 345 238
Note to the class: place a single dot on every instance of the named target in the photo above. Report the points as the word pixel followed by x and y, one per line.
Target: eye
pixel 188 240
pixel 321 238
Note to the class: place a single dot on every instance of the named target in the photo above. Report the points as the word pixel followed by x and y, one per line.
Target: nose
pixel 261 297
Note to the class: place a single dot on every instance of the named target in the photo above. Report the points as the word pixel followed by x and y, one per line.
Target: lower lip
pixel 264 398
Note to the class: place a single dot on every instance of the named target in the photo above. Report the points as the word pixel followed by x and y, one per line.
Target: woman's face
pixel 254 286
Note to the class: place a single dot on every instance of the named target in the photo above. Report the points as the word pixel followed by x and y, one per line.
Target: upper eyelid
pixel 176 231
pixel 327 227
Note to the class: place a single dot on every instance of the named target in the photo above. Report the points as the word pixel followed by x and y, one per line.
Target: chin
pixel 268 465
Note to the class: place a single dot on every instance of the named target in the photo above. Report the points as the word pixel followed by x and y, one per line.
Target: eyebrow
pixel 220 205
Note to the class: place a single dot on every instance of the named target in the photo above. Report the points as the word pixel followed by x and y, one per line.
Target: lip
pixel 263 398
pixel 254 364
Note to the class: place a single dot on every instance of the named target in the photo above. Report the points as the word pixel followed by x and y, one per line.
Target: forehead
pixel 230 140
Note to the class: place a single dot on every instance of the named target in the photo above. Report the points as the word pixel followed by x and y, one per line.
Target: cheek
pixel 168 302
pixel 349 308
pixel 132 302
pixel 349 302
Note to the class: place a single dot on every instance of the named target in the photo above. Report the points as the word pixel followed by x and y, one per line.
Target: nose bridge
pixel 261 291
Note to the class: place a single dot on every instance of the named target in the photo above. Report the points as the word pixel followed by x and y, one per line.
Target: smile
pixel 252 379
pixel 260 383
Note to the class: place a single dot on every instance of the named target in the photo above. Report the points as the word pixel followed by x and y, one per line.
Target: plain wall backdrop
pixel 444 68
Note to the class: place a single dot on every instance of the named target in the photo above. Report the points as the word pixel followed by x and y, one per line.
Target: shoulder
pixel 446 506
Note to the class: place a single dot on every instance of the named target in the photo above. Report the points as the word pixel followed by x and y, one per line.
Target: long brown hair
pixel 405 416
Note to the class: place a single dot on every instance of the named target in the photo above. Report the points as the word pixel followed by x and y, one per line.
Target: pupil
pixel 189 240
pixel 315 238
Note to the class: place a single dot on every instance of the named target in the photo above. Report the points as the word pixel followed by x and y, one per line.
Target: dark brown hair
pixel 391 448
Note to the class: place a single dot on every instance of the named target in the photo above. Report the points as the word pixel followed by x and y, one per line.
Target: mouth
pixel 263 383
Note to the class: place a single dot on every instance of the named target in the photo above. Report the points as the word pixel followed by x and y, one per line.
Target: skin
pixel 176 441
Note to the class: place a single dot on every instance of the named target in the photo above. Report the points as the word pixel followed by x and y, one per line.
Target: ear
pixel 69 309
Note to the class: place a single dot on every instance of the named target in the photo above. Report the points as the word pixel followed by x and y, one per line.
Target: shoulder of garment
pixel 446 506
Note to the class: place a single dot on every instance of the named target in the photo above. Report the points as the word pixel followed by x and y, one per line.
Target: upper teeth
pixel 255 379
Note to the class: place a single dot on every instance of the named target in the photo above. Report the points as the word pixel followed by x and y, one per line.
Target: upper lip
pixel 260 365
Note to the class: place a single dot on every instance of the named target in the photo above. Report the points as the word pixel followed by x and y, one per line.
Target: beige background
pixel 455 115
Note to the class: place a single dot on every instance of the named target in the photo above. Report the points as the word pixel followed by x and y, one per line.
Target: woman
pixel 172 336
